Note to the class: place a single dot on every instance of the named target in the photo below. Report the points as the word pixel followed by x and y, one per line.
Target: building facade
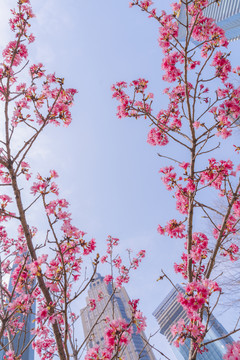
pixel 24 336
pixel 226 14
pixel 117 308
pixel 170 311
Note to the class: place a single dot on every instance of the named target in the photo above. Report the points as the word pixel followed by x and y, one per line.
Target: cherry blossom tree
pixel 45 273
pixel 203 109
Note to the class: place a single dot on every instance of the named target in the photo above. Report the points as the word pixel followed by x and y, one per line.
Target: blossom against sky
pixel 108 172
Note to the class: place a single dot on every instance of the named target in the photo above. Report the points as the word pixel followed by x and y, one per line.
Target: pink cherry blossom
pixel 233 351
pixel 107 279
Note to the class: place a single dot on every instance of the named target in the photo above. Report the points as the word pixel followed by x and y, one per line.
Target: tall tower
pixel 226 14
pixel 120 308
pixel 170 311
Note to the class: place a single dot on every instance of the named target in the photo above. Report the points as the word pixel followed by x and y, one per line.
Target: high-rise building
pixel 170 311
pixel 226 13
pixel 119 307
pixel 22 338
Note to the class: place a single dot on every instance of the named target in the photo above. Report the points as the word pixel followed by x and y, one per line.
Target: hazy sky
pixel 107 171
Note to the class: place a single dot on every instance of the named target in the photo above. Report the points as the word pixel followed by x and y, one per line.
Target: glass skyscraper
pixel 226 14
pixel 121 309
pixel 170 311
pixel 21 340
pixel 23 336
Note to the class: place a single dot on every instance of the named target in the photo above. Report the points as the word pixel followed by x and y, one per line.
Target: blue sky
pixel 107 171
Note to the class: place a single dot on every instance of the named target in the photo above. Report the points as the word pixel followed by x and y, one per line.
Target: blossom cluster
pixel 232 251
pixel 52 103
pixel 132 108
pixel 117 335
pixel 193 329
pixel 199 251
pixel 233 351
pixel 216 173
pixel 173 229
pixel 196 295
pixel 137 316
pixel 117 263
pixel 52 97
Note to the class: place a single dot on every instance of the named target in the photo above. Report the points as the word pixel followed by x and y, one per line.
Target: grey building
pixel 170 311
pixel 118 307
pixel 226 14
